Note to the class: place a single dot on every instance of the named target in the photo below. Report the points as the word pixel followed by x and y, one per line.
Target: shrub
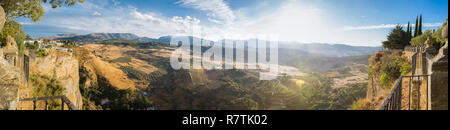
pixel 15 30
pixel 438 35
pixel 42 53
pixel 405 68
pixel 420 40
pixel 385 80
pixel 44 86
pixel 362 104
pixel 393 68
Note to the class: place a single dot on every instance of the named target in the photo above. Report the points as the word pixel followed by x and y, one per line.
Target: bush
pixel 44 86
pixel 34 46
pixel 405 68
pixel 438 36
pixel 385 80
pixel 118 99
pixel 392 69
pixel 15 30
pixel 42 53
pixel 420 40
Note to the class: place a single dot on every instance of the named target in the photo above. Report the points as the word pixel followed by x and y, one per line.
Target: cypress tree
pixel 416 27
pixel 408 30
pixel 420 25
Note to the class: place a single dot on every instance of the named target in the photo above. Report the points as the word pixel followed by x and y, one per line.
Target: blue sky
pixel 352 22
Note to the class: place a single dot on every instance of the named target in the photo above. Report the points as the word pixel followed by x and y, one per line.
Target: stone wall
pixel 9 75
pixel 437 67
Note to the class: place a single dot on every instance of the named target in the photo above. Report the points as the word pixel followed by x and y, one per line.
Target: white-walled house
pixel 31 42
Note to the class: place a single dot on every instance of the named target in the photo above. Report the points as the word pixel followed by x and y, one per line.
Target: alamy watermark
pixel 234 51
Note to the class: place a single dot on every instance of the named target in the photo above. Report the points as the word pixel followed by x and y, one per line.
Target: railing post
pixel 400 93
pixel 427 91
pixel 34 104
pixel 62 104
pixel 409 96
pixel 418 93
pixel 46 104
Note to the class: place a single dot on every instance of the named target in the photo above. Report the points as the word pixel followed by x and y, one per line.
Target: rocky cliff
pixel 9 85
pixel 9 74
pixel 376 61
pixel 65 68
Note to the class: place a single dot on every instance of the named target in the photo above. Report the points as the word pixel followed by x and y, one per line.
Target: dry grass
pixel 368 104
pixel 99 67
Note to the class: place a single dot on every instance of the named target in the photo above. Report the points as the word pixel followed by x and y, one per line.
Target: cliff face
pixel 65 68
pixel 375 89
pixel 9 74
pixel 9 85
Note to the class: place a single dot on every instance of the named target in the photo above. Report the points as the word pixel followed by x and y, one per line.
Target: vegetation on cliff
pixel 110 98
pixel 15 30
pixel 45 86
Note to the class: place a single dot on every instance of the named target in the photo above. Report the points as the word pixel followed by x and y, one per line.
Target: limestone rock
pixel 429 42
pixel 1 54
pixel 65 68
pixel 2 17
pixel 445 32
pixel 9 86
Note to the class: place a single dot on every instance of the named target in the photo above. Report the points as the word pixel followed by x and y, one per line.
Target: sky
pixel 351 22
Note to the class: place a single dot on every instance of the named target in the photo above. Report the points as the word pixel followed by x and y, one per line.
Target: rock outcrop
pixel 9 85
pixel 65 68
pixel 9 73
pixel 2 17
pixel 438 69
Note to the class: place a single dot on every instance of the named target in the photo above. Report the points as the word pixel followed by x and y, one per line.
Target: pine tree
pixel 420 25
pixel 397 39
pixel 416 28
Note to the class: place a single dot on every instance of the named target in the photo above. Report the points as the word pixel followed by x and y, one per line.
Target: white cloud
pixel 96 13
pixel 214 21
pixel 292 21
pixel 147 17
pixel 216 9
pixel 385 26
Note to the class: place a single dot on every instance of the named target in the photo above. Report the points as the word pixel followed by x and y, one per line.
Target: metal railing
pixel 394 99
pixel 419 49
pixel 64 100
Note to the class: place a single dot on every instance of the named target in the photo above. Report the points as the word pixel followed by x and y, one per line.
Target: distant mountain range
pixel 100 37
pixel 321 49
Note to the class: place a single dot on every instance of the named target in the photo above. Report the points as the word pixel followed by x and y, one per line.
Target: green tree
pixel 397 39
pixel 416 27
pixel 31 9
pixel 409 31
pixel 28 37
pixel 420 40
pixel 15 30
pixel 420 26
pixel 438 35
